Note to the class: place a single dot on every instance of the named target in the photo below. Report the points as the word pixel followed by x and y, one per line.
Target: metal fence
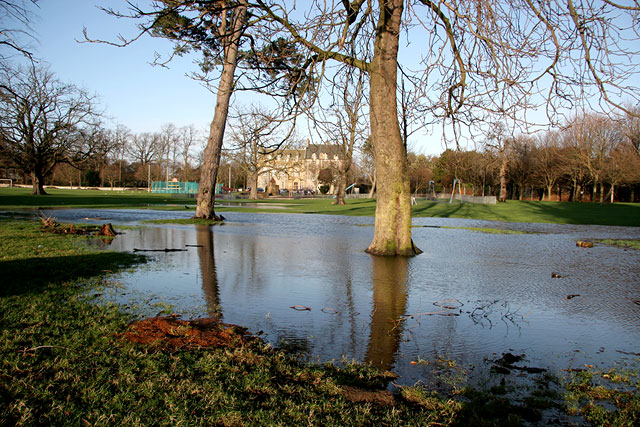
pixel 174 187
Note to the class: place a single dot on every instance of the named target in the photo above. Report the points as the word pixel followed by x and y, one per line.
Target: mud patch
pixel 359 395
pixel 170 333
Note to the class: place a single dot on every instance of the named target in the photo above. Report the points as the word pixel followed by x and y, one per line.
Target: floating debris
pixel 584 244
pixel 556 275
pixel 449 304
pixel 329 310
pixel 159 250
pixel 506 364
pixel 570 296
pixel 300 308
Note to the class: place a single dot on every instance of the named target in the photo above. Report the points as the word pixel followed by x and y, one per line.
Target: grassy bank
pixel 621 214
pixel 65 362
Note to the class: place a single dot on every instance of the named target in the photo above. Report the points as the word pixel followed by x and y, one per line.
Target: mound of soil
pixel 378 397
pixel 170 333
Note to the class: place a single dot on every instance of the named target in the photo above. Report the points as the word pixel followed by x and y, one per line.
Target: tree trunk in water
pixel 213 151
pixel 392 235
pixel 38 183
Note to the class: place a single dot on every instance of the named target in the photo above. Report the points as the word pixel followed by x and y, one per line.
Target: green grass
pixel 621 243
pixel 620 214
pixel 14 198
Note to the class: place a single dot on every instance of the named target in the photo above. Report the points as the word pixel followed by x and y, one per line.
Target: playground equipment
pixel 175 187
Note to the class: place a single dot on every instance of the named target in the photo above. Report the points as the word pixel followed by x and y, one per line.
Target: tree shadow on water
pixel 34 274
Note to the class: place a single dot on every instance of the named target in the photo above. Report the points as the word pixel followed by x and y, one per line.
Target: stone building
pixel 298 169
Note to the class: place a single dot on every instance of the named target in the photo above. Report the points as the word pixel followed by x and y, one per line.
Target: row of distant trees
pixel 594 157
pixel 53 131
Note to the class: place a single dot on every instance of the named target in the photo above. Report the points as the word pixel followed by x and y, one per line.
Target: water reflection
pixel 389 277
pixel 204 237
pixel 256 267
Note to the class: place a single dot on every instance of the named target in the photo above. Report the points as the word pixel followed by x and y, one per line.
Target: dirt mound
pixel 359 395
pixel 170 333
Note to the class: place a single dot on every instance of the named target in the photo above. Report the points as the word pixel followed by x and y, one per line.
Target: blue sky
pixel 133 92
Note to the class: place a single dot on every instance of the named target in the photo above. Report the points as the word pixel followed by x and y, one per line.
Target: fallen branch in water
pixel 159 250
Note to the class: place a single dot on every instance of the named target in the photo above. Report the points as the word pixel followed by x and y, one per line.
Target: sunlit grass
pixel 620 214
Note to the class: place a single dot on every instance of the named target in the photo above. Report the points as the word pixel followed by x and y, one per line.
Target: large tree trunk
pixel 37 181
pixel 341 185
pixel 613 192
pixel 392 235
pixel 253 179
pixel 213 151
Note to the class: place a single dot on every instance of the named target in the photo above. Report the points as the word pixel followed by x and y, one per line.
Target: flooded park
pixel 304 282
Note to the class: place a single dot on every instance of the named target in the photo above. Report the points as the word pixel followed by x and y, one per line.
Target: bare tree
pixel 144 147
pixel 254 135
pixel 622 166
pixel 501 143
pixel 39 120
pixel 15 21
pixel 522 164
pixel 548 169
pixel 477 64
pixel 341 123
pixel 188 136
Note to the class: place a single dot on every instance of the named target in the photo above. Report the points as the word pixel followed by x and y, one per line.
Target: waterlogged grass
pixel 605 398
pixel 487 230
pixel 621 243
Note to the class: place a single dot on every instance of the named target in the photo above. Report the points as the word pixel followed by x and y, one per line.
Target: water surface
pixel 470 296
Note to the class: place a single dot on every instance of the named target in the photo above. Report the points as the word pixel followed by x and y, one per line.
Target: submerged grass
pixel 64 362
pixel 621 243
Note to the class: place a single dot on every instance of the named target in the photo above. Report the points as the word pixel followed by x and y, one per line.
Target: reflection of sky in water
pixel 256 266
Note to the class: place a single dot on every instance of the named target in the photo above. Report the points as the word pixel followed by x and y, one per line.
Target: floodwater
pixel 306 283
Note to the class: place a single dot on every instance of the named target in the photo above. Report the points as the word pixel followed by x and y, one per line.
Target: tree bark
pixel 613 193
pixel 213 151
pixel 38 183
pixel 503 179
pixel 341 185
pixel 392 235
pixel 253 179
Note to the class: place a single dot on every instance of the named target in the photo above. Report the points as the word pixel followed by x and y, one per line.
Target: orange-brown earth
pixel 170 333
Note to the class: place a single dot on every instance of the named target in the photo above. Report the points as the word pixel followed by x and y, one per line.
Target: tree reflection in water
pixel 204 237
pixel 389 276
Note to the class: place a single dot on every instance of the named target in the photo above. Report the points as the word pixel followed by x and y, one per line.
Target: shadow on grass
pixel 617 214
pixel 32 274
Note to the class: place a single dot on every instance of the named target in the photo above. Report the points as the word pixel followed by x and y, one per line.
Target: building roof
pixel 329 149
